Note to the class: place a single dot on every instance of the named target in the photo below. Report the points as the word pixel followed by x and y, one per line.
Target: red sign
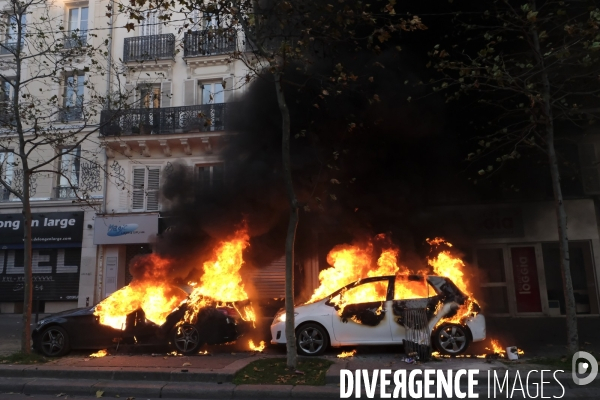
pixel 527 288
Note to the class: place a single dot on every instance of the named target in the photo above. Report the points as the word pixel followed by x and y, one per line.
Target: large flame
pixel 151 292
pixel 352 263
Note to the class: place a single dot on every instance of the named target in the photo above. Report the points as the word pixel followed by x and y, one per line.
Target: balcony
pixel 76 39
pixel 163 121
pixel 146 48
pixel 209 42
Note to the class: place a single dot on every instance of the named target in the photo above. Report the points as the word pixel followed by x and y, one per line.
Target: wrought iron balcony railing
pixel 163 121
pixel 209 42
pixel 145 48
pixel 70 114
pixel 65 192
pixel 76 39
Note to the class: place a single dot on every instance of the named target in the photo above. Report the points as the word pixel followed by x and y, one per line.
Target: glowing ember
pixel 99 354
pixel 346 354
pixel 261 346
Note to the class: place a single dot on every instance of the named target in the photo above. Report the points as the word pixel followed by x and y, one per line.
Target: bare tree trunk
pixel 561 213
pixel 290 334
pixel 27 279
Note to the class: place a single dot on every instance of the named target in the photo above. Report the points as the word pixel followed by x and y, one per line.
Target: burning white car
pixel 409 309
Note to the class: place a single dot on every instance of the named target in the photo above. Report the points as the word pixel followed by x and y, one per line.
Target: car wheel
pixel 54 342
pixel 186 339
pixel 451 339
pixel 311 339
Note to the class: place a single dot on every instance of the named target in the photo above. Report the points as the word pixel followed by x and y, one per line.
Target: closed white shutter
pixel 590 171
pixel 228 89
pixel 189 92
pixel 137 196
pixel 165 94
pixel 153 186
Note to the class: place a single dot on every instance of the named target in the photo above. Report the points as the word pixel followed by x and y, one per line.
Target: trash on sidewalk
pixel 512 353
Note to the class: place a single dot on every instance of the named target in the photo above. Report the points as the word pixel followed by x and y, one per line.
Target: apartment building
pixel 64 256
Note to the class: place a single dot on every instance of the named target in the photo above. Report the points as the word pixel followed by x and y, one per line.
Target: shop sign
pixel 527 288
pixel 125 229
pixel 55 274
pixel 501 223
pixel 46 229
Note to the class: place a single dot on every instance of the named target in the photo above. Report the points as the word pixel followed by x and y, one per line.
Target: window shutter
pixel 153 186
pixel 139 175
pixel 590 172
pixel 130 93
pixel 228 89
pixel 189 92
pixel 165 94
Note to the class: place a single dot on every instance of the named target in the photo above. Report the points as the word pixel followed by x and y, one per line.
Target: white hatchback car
pixel 386 313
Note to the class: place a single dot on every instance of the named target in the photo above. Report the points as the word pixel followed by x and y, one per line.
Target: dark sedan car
pixel 59 333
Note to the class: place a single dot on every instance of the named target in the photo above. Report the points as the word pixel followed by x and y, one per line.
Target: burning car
pixel 57 334
pixel 384 310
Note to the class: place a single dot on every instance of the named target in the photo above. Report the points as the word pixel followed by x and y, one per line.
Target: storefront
pixel 514 254
pixel 122 237
pixel 56 260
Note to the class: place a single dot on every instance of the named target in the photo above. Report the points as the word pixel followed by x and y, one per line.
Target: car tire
pixel 451 339
pixel 53 341
pixel 187 339
pixel 311 339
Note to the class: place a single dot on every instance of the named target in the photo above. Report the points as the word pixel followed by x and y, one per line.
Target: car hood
pixel 70 313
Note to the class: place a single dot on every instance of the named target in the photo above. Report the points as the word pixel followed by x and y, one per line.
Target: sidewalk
pixel 210 377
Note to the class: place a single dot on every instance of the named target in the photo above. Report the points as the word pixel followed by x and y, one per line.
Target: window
pixel 212 93
pixel 151 25
pixel 68 179
pixel 209 178
pixel 146 182
pixel 12 34
pixel 73 96
pixel 411 287
pixel 7 164
pixel 149 96
pixel 78 27
pixel 364 293
pixel 6 106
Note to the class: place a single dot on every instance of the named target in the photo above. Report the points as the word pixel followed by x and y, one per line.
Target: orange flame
pixel 261 346
pixel 496 347
pixel 346 354
pixel 151 293
pixel 99 354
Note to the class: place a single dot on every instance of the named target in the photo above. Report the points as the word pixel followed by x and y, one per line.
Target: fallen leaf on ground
pixel 186 364
pixel 259 370
pixel 61 394
pixel 131 398
pixel 116 395
pixel 99 393
pixel 299 372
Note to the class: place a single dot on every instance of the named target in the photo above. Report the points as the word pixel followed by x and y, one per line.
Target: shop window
pixel 492 280
pixel 582 275
pixel 146 183
pixel 131 251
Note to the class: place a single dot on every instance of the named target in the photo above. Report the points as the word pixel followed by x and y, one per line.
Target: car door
pixel 414 304
pixel 363 310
